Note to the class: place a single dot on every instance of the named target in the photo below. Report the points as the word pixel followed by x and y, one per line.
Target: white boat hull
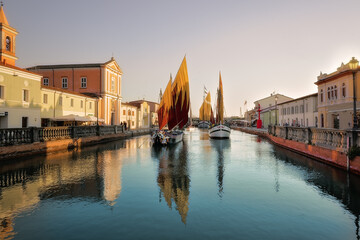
pixel 203 124
pixel 219 131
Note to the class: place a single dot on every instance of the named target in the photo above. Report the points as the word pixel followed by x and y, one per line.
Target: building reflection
pixel 92 175
pixel 220 146
pixel 328 180
pixel 173 177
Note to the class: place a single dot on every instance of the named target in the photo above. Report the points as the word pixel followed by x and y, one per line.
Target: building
pixel 147 113
pixel 63 108
pixel 269 109
pixel 100 80
pixel 335 97
pixel 300 112
pixel 20 99
pixel 129 114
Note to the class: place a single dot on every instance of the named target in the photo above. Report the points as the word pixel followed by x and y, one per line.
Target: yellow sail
pixel 205 109
pixel 220 102
pixel 201 112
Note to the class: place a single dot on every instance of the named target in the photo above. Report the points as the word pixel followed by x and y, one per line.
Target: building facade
pixel 269 108
pixel 300 112
pixel 99 80
pixel 57 105
pixel 129 114
pixel 336 98
pixel 20 99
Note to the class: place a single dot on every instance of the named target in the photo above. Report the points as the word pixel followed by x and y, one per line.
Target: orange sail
pixel 165 106
pixel 220 103
pixel 181 98
pixel 205 109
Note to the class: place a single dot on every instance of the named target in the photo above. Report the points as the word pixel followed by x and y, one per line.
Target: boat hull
pixel 203 124
pixel 164 138
pixel 219 131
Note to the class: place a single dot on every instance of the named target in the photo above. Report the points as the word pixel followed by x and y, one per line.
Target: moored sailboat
pixel 205 112
pixel 173 109
pixel 219 130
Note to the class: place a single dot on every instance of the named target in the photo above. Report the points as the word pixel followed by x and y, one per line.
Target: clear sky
pixel 259 46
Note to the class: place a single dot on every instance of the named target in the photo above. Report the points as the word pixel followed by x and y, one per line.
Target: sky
pixel 260 46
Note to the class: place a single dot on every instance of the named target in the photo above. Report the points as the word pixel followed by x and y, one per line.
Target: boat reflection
pixel 173 178
pixel 220 146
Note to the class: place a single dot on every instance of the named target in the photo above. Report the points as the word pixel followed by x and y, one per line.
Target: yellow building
pixel 19 89
pixel 129 114
pixel 140 114
pixel 64 106
pixel 335 97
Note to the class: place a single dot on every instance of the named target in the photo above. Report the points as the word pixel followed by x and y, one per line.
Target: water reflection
pixel 329 180
pixel 173 177
pixel 90 175
pixel 220 146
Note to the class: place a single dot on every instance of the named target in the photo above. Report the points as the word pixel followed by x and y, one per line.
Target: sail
pixel 181 98
pixel 205 109
pixel 221 101
pixel 212 119
pixel 165 106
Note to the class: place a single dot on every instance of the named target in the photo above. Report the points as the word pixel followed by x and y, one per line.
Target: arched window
pixel 335 92
pixel 321 95
pixel 332 92
pixel 8 43
pixel 129 112
pixel 328 92
pixel 343 90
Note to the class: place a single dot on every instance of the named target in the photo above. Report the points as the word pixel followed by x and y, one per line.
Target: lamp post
pixel 353 64
pixel 276 99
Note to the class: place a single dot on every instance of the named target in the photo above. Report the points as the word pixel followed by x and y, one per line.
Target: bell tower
pixel 8 40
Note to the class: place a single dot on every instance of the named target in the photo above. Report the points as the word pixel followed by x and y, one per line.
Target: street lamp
pixel 353 64
pixel 276 99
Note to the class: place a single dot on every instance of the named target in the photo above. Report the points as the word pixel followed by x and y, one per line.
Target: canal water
pixel 242 188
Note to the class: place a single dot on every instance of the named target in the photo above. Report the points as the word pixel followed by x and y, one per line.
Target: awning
pixel 76 118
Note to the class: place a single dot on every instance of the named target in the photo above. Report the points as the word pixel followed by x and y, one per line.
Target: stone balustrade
pixel 328 138
pixel 14 136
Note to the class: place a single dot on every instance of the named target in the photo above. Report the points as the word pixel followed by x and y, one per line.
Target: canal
pixel 242 188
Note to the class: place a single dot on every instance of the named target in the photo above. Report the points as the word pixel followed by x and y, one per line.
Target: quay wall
pixel 24 150
pixel 325 155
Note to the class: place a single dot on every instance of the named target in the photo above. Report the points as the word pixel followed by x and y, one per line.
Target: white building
pixel 300 112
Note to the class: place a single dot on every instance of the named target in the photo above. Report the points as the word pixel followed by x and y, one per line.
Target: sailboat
pixel 174 108
pixel 219 130
pixel 205 112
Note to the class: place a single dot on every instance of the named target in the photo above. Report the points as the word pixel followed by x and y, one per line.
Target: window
pixel 83 82
pixel 25 95
pixel 301 108
pixel 133 113
pixel 307 122
pixel 129 112
pixel 90 105
pixel 322 120
pixel 132 123
pixel 60 101
pixel 81 104
pixel 328 92
pixel 2 92
pixel 332 92
pixel 321 95
pixel 46 81
pixel 45 98
pixel 307 107
pixel 8 43
pixel 343 90
pixel 296 109
pixel 113 84
pixel 292 110
pixel 335 92
pixel 124 112
pixel 64 83
pixel 71 102
pixel 288 110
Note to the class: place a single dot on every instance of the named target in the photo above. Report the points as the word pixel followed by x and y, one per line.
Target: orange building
pixel 100 80
pixel 7 35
